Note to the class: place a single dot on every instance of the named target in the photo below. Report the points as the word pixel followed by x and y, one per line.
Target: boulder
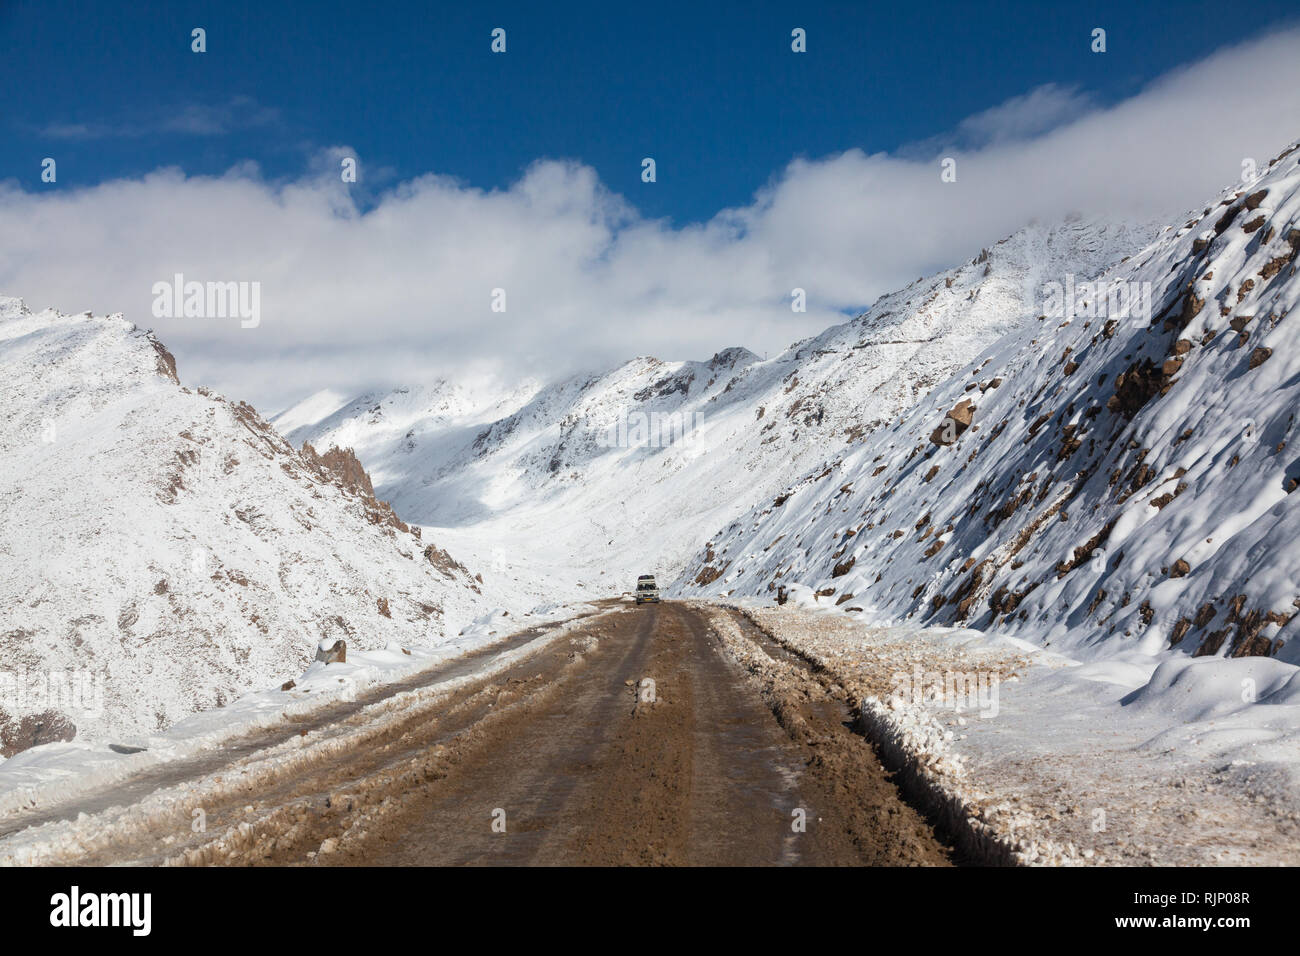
pixel 336 653
pixel 31 730
pixel 954 423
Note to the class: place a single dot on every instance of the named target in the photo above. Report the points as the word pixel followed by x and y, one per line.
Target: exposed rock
pixel 957 420
pixel 1180 631
pixel 1134 387
pixel 443 561
pixel 335 654
pixel 341 467
pixel 166 361
pixel 1226 220
pixel 1254 199
pixel 32 730
pixel 708 574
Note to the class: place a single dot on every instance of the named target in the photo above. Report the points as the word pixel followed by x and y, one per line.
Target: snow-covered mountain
pixel 1092 482
pixel 587 482
pixel 164 549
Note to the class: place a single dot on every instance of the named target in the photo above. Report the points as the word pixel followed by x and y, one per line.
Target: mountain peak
pixel 196 554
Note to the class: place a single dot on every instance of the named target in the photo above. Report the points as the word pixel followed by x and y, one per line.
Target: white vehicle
pixel 647 592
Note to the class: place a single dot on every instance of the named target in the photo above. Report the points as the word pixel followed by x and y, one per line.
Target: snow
pixel 533 487
pixel 1112 538
pixel 314 408
pixel 1131 760
pixel 165 550
pixel 58 773
pixel 495 621
pixel 1063 521
pixel 1059 519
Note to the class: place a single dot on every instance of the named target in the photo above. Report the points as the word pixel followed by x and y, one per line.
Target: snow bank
pixel 57 773
pixel 1134 760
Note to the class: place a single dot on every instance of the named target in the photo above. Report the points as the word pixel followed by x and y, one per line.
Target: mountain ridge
pixel 548 468
pixel 168 546
pixel 1108 485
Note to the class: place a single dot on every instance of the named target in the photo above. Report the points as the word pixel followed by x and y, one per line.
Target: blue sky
pixel 521 171
pixel 711 91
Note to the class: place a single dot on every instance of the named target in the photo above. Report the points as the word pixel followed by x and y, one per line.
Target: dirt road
pixel 636 738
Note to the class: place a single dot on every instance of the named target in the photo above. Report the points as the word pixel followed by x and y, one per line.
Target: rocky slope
pixel 1092 481
pixel 164 549
pixel 587 482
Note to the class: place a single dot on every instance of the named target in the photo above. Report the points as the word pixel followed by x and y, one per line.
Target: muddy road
pixel 638 736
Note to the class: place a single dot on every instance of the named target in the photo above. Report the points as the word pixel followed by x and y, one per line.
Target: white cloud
pixel 401 291
pixel 194 119
pixel 1021 117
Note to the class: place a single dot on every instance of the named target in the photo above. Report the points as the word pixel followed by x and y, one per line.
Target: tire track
pixel 653 735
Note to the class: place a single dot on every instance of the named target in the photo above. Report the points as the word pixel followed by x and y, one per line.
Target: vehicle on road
pixel 647 592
